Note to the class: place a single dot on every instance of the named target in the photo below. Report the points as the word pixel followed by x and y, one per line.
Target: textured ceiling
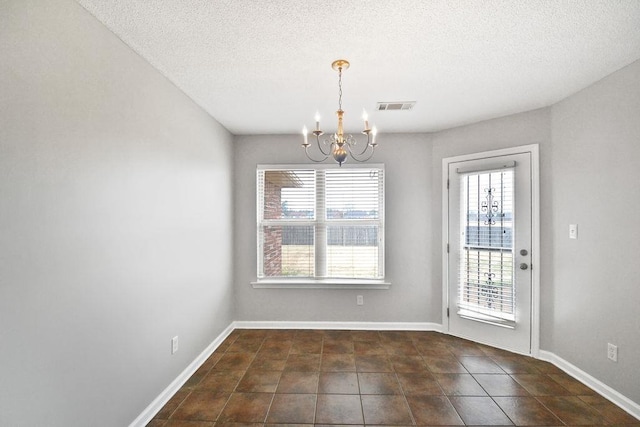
pixel 261 66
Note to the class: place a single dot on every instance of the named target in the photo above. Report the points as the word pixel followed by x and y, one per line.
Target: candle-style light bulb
pixel 374 132
pixel 317 121
pixel 365 117
pixel 304 133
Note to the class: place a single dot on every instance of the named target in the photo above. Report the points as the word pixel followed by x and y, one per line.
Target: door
pixel 490 245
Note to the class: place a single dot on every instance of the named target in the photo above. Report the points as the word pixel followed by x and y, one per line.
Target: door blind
pixel 486 276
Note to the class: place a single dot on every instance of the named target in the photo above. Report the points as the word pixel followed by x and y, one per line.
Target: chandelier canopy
pixel 338 145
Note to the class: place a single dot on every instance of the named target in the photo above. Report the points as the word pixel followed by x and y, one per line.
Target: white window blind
pixel 486 276
pixel 320 223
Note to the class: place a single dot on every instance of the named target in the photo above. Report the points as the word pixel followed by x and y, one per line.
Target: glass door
pixel 489 286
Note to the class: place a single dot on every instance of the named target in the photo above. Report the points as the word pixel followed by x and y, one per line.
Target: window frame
pixel 320 220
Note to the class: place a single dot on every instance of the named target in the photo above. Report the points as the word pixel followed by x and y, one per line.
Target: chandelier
pixel 339 145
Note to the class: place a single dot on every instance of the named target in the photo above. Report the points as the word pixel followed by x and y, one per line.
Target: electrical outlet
pixel 174 344
pixel 360 300
pixel 612 352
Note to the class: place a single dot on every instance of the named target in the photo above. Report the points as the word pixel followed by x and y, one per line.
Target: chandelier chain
pixel 340 88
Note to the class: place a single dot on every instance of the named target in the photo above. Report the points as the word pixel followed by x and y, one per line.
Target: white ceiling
pixel 263 66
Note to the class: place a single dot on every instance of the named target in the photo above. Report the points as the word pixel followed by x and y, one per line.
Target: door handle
pixel 524 266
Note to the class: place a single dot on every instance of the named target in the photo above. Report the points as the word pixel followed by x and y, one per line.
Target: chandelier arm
pixel 366 146
pixel 306 151
pixel 320 147
pixel 355 156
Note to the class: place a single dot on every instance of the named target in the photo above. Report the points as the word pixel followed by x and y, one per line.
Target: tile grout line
pixel 485 390
pixel 234 388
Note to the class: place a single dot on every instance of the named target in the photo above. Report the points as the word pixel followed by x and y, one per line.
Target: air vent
pixel 395 106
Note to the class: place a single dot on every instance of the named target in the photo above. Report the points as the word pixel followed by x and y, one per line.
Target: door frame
pixel 535 234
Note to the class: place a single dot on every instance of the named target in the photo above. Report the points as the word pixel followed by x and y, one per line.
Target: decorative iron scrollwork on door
pixel 489 291
pixel 490 207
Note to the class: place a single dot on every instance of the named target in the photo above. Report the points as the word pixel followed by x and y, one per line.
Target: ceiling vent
pixel 395 106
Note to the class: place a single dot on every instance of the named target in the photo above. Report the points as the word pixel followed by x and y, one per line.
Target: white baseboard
pixel 157 404
pixel 622 401
pixel 356 326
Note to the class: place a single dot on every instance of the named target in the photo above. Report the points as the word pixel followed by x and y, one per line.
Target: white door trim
pixel 535 234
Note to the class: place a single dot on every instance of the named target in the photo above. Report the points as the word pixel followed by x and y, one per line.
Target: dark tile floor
pixel 275 377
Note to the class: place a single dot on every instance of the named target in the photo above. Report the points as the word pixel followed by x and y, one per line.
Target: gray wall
pixel 409 241
pixel 115 223
pixel 596 278
pixel 413 165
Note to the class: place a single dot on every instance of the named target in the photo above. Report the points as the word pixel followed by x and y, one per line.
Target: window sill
pixel 320 284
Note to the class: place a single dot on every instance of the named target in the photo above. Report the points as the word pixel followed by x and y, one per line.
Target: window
pixel 320 223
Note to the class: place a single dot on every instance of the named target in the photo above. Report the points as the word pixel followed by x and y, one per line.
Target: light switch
pixel 573 231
